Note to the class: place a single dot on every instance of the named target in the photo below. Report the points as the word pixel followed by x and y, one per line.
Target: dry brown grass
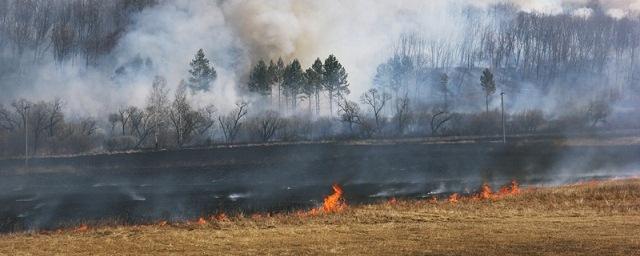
pixel 585 219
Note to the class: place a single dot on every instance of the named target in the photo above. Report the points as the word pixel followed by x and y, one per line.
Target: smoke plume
pixel 235 34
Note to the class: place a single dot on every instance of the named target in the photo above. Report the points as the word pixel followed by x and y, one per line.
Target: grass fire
pixel 306 127
pixel 590 218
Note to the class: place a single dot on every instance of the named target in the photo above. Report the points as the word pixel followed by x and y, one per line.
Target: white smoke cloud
pixel 583 12
pixel 170 34
pixel 360 33
pixel 235 34
pixel 238 33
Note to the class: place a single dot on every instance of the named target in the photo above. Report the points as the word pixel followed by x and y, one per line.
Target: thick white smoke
pixel 235 34
pixel 360 33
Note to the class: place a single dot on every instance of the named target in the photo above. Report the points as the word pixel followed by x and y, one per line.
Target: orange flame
pixel 392 201
pixel 221 217
pixel 511 189
pixel 82 228
pixel 334 202
pixel 453 198
pixel 201 221
pixel 485 192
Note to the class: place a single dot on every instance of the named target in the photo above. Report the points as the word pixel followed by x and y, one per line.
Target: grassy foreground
pixel 584 219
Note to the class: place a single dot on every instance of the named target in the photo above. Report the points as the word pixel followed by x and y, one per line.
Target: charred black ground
pixel 177 185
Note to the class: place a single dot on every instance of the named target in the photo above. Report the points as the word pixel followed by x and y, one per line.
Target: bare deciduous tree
pixel 207 119
pixel 158 106
pixel 185 121
pixel 8 120
pixel 349 112
pixel 124 116
pixel 230 124
pixel 376 101
pixel 55 116
pixel 142 124
pixel 88 126
pixel 437 120
pixel 402 114
pixel 266 125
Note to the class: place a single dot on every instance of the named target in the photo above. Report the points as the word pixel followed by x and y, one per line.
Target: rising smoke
pixel 235 34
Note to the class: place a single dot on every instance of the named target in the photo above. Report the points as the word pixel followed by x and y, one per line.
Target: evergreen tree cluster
pixel 293 83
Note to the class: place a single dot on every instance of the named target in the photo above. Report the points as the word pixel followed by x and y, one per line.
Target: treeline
pixel 291 83
pixel 549 50
pixel 64 28
pixel 45 130
pixel 171 120
pixel 438 86
pixel 544 46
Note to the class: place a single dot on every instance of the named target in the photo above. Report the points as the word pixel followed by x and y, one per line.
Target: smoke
pixel 235 34
pixel 616 8
pixel 359 33
pixel 169 35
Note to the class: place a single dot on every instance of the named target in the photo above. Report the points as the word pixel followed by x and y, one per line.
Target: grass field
pixel 595 218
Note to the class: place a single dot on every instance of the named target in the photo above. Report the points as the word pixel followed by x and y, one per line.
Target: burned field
pixel 587 218
pixel 147 187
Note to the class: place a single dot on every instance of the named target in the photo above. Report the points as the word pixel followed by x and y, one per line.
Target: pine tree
pixel 259 79
pixel 488 85
pixel 274 77
pixel 276 70
pixel 335 79
pixel 318 69
pixel 293 79
pixel 202 73
pixel 313 83
pixel 310 76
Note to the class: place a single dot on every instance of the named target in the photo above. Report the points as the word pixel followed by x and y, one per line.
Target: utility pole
pixel 155 131
pixel 504 132
pixel 26 136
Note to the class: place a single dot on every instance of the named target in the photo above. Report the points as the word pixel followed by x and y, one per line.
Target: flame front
pixel 221 217
pixel 511 189
pixel 485 192
pixel 334 202
pixel 453 198
pixel 82 228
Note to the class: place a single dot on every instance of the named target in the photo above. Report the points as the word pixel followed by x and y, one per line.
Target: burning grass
pixel 333 203
pixel 591 218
